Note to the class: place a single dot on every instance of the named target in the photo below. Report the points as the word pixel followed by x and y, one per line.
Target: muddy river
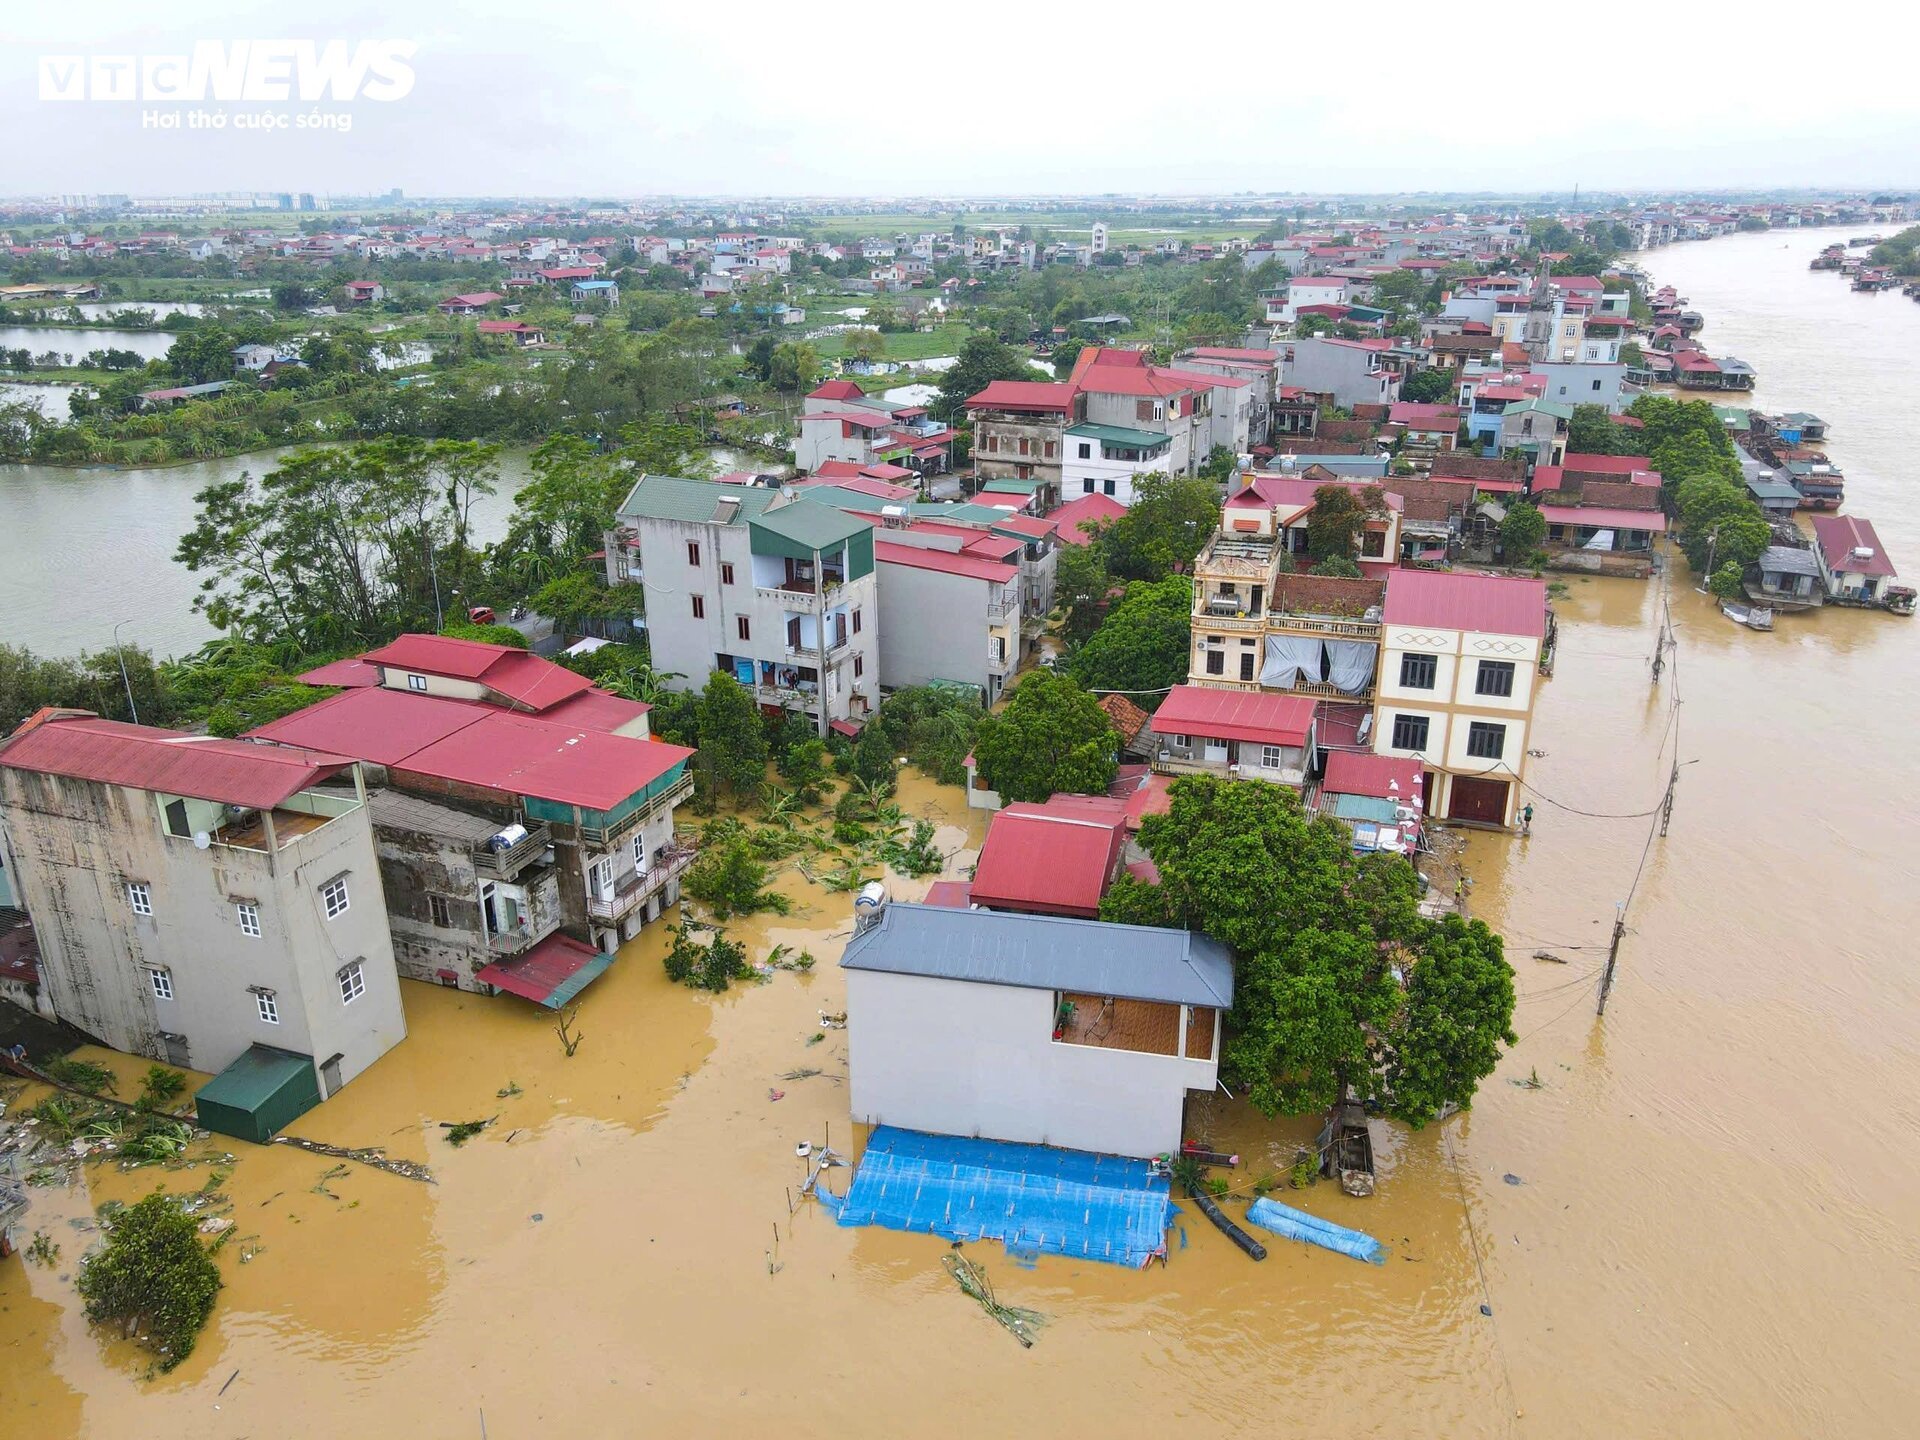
pixel 1700 1223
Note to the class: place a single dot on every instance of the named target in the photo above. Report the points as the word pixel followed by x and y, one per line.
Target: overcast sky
pixel 792 98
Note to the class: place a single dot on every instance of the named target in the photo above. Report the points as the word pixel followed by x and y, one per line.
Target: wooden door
pixel 1478 801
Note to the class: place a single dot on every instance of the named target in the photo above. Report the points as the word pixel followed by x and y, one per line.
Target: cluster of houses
pixel 460 814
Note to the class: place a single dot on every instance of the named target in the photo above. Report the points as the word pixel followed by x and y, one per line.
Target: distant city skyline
pixel 657 101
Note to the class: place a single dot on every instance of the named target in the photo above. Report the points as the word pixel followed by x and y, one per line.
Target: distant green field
pixel 1049 225
pixel 914 345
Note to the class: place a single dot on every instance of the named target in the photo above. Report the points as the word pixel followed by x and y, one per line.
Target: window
pixel 1270 757
pixel 1107 487
pixel 1180 742
pixel 693 552
pixel 333 895
pixel 639 854
pixel 1143 410
pixel 1086 487
pixel 439 911
pixel 1373 544
pixel 1495 678
pixel 249 918
pixel 177 819
pixel 1409 732
pixel 1486 741
pixel 1596 384
pixel 1026 446
pixel 1086 450
pixel 1417 671
pixel 140 897
pixel 1246 665
pixel 859 666
pixel 726 572
pixel 856 622
pixel 162 983
pixel 699 607
pixel 1216 662
pixel 416 682
pixel 740 624
pixel 268 1006
pixel 353 983
pixel 1052 451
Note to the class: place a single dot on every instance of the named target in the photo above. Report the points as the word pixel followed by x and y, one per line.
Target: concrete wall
pixel 1584 384
pixel 963 1059
pixel 936 627
pixel 78 845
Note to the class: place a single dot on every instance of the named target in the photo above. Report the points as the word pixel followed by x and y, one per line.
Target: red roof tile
pixel 1841 535
pixel 1385 777
pixel 349 674
pixel 1235 715
pixel 83 746
pixel 1024 395
pixel 1084 510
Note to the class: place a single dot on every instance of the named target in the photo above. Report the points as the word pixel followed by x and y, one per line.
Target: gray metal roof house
pixel 1034 1028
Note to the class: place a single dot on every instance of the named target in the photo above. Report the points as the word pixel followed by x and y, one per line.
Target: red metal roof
pixel 1605 518
pixel 1051 859
pixel 349 674
pixel 950 894
pixel 1235 715
pixel 1084 510
pixel 384 726
pixel 517 674
pixel 596 709
pixel 551 973
pixel 1841 535
pixel 1386 777
pixel 83 746
pixel 947 561
pixel 836 390
pixel 1489 604
pixel 1582 463
pixel 1029 525
pixel 1024 395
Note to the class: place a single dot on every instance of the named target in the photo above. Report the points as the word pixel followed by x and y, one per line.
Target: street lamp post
pixel 120 651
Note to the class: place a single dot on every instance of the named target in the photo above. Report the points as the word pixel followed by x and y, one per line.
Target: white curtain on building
pixel 1289 659
pixel 1349 665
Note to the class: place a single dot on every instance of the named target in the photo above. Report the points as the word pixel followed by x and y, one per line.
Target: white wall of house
pixel 957 1058
pixel 942 627
pixel 1457 701
pixel 1094 473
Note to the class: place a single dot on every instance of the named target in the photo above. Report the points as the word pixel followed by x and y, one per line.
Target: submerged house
pixel 1036 1028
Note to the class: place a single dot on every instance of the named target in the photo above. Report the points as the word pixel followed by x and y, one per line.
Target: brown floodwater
pixel 1713 1234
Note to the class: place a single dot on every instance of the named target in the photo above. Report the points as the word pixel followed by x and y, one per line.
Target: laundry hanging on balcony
pixel 1349 665
pixel 1291 659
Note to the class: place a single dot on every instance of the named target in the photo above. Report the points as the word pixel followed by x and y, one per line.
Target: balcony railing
pixel 632 892
pixel 1003 607
pixel 520 937
pixel 505 864
pixel 999 659
pixel 1225 620
pixel 1307 624
pixel 666 799
pixel 806 601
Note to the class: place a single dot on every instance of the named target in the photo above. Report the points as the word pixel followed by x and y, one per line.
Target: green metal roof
pixel 1120 435
pixel 1543 407
pixel 1772 490
pixel 1732 415
pixel 670 497
pixel 1012 487
pixel 811 524
pixel 985 514
pixel 258 1094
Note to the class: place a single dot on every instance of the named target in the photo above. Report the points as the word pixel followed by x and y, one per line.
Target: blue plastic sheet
pixel 1298 1225
pixel 1033 1198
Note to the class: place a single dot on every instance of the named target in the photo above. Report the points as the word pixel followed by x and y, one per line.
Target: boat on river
pixel 1346 1148
pixel 1754 617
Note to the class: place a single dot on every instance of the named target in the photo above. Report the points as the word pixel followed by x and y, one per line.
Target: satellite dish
pixel 201 839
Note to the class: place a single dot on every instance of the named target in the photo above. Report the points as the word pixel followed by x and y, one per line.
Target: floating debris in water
pixel 1021 1323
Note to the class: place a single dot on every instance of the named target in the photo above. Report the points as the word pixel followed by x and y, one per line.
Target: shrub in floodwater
pixel 730 879
pixel 711 966
pixel 81 1075
pixel 160 1087
pixel 917 855
pixel 1306 1169
pixel 153 1278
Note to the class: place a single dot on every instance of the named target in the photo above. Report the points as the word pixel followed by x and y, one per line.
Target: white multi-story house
pixel 1461 661
pixel 1106 459
pixel 769 586
pixel 198 900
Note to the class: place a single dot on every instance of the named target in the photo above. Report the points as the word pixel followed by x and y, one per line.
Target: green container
pixel 259 1094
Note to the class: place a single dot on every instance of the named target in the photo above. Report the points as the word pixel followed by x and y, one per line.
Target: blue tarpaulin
pixel 1299 1225
pixel 1033 1198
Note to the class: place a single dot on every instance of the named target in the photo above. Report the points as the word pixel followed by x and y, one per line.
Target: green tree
pixel 732 754
pixel 983 359
pixel 1341 985
pixel 1339 513
pixel 1592 431
pixel 1340 566
pixel 1052 736
pixel 1164 529
pixel 1522 531
pixel 795 366
pixel 1720 522
pixel 1727 581
pixel 1220 465
pixel 1427 387
pixel 1081 583
pixel 152 1278
pixel 1064 355
pixel 1144 642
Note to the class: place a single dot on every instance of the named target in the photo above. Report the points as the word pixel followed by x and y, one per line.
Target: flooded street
pixel 1701 1223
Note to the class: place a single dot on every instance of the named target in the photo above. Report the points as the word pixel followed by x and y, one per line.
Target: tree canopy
pixel 1164 529
pixel 983 358
pixel 1142 643
pixel 732 753
pixel 1051 736
pixel 153 1276
pixel 1341 985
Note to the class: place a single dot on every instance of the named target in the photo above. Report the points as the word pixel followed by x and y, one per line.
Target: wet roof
pixel 1045 952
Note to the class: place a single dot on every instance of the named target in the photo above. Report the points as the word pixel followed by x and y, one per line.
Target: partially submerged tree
pixel 1143 644
pixel 153 1278
pixel 1341 985
pixel 732 754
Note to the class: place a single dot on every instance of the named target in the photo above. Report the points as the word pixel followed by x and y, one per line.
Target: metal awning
pixel 552 973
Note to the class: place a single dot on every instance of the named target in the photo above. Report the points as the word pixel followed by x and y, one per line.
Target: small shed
pixel 259 1094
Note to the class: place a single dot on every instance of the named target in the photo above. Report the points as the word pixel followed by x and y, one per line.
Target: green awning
pixel 258 1095
pixel 1121 435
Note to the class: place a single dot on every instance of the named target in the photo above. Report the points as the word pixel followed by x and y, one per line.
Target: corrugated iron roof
pixel 1235 715
pixel 1045 952
pixel 110 752
pixel 552 973
pixel 1489 604
pixel 1055 858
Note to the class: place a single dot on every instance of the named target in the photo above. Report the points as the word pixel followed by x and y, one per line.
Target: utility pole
pixel 1666 807
pixel 1613 954
pixel 120 650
